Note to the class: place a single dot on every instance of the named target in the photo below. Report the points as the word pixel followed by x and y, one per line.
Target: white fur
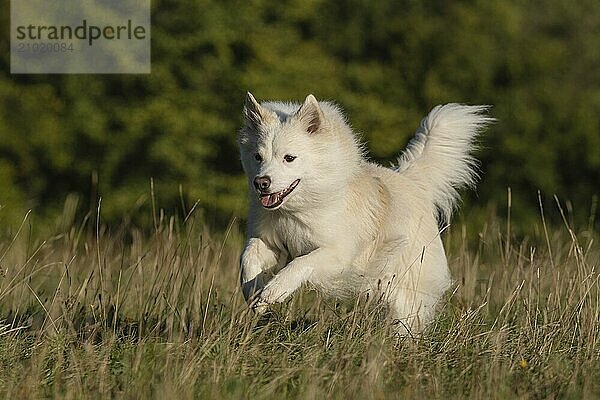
pixel 352 226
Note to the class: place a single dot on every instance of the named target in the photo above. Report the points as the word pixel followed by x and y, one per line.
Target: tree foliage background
pixel 386 63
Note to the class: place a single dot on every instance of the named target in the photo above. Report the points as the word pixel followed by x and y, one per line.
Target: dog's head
pixel 288 151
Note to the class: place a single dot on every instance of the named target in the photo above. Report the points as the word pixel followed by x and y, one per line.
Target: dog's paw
pixel 251 288
pixel 274 292
pixel 259 307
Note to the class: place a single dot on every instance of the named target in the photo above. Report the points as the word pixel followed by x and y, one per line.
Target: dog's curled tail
pixel 439 156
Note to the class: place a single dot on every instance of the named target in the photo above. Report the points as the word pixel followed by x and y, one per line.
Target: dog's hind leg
pixel 410 283
pixel 410 314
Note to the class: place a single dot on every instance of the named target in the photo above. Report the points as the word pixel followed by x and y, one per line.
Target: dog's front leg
pixel 256 258
pixel 299 271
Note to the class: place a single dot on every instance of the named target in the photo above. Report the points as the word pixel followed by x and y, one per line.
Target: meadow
pixel 115 303
pixel 95 311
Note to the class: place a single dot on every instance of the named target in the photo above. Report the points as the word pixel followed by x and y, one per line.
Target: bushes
pixel 386 63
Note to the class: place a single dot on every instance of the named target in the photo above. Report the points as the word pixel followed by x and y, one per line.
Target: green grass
pixel 90 312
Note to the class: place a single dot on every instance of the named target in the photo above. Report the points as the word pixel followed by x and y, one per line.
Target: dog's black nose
pixel 262 183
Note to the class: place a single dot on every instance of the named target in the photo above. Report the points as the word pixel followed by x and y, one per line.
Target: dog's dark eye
pixel 289 158
pixel 257 157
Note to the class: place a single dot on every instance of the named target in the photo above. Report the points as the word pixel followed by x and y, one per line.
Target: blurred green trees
pixel 387 63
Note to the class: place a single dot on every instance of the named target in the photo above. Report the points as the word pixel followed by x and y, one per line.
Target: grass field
pixel 92 312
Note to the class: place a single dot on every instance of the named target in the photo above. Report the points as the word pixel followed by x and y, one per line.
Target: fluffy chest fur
pixel 290 234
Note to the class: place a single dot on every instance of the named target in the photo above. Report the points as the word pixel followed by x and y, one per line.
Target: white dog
pixel 321 214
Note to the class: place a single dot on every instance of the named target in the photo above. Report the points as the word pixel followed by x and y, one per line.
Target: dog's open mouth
pixel 272 200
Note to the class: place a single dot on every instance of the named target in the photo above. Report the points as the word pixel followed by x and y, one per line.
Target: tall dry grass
pixel 93 312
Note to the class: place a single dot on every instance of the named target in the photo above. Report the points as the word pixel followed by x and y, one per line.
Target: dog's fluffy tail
pixel 439 157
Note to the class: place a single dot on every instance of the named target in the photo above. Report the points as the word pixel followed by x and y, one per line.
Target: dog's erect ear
pixel 310 114
pixel 254 113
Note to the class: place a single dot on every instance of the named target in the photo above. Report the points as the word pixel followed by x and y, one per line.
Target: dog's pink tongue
pixel 268 200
